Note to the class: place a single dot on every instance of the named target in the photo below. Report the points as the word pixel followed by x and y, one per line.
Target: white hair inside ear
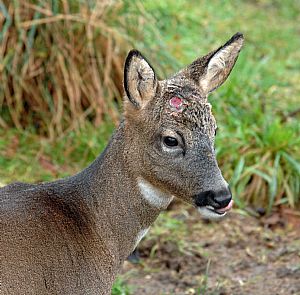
pixel 220 65
pixel 139 79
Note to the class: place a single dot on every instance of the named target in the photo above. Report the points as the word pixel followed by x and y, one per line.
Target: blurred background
pixel 61 71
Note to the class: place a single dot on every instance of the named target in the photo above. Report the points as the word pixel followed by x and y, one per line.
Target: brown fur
pixel 71 236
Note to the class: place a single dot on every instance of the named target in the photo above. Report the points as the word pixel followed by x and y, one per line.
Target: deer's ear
pixel 218 64
pixel 140 81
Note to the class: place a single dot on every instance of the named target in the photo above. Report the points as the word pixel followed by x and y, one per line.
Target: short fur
pixel 72 235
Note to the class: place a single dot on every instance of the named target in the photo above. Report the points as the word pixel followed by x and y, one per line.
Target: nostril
pixel 217 199
pixel 222 198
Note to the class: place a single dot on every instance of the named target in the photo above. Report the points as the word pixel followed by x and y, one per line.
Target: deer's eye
pixel 170 141
pixel 216 131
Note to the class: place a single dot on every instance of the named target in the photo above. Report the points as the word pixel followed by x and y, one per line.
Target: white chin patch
pixel 153 195
pixel 140 235
pixel 207 213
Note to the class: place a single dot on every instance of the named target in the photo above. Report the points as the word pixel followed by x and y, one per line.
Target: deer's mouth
pixel 214 204
pixel 220 211
pixel 209 211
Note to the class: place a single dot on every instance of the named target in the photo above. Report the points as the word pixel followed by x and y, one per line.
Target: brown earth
pixel 239 255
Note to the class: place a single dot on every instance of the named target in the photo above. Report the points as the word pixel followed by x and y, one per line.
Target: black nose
pixel 217 199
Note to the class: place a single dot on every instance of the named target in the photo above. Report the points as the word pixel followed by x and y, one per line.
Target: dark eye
pixel 170 141
pixel 216 131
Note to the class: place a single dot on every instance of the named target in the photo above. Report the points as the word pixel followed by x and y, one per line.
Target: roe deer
pixel 72 235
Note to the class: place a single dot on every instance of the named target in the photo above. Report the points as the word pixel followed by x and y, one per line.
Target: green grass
pixel 26 156
pixel 258 142
pixel 120 288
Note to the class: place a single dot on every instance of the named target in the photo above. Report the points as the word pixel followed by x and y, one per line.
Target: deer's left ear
pixel 218 64
pixel 140 81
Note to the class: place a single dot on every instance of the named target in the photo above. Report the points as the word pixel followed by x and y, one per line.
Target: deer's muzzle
pixel 217 202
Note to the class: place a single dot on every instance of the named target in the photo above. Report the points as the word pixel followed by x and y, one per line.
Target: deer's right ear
pixel 212 70
pixel 140 81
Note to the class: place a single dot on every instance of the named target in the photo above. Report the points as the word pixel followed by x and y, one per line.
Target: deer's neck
pixel 123 206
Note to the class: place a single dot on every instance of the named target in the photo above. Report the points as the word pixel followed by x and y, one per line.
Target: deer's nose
pixel 222 198
pixel 218 199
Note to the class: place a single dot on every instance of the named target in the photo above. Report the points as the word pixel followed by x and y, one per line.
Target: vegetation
pixel 258 142
pixel 61 65
pixel 61 75
pixel 120 288
pixel 62 62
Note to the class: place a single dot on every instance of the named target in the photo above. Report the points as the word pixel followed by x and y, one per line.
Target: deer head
pixel 170 128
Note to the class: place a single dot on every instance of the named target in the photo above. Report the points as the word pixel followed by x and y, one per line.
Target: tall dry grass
pixel 61 62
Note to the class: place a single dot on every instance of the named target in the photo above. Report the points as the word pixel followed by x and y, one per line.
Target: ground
pixel 239 255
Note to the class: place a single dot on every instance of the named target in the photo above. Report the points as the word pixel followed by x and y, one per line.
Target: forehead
pixel 184 87
pixel 187 105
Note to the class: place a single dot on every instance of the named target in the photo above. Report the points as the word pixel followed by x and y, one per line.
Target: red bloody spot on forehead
pixel 176 102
